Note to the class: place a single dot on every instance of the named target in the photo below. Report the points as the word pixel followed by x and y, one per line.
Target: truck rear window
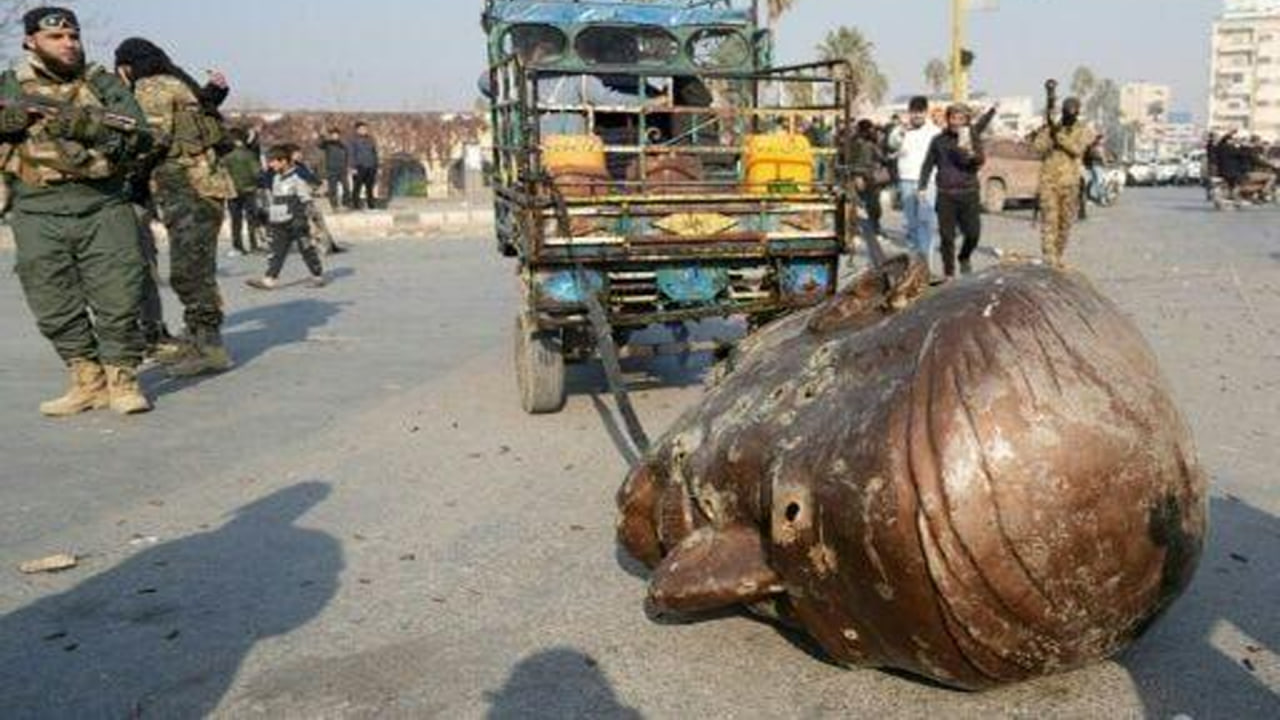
pixel 627 46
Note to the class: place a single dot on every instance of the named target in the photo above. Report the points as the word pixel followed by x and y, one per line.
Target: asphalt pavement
pixel 358 521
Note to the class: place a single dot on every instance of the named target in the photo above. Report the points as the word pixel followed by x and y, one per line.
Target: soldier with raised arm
pixel 1062 143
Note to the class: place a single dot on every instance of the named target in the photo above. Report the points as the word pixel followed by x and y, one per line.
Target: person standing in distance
pixel 364 160
pixel 190 187
pixel 1062 145
pixel 337 170
pixel 78 257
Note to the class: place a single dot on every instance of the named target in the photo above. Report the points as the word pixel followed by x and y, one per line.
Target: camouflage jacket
pixel 185 135
pixel 59 175
pixel 1063 154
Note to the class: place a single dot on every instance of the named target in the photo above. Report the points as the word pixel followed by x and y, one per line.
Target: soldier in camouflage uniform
pixel 190 187
pixel 1063 145
pixel 68 132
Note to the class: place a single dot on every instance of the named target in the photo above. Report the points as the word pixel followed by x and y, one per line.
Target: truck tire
pixel 540 373
pixel 994 196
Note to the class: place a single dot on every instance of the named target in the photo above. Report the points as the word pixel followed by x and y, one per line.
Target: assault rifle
pixel 50 108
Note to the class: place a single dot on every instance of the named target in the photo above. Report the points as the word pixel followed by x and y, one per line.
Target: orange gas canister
pixel 576 163
pixel 779 163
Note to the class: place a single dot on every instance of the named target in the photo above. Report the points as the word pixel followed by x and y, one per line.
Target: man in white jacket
pixel 911 145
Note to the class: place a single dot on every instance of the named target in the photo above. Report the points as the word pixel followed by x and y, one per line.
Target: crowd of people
pixel 103 154
pixel 1243 164
pixel 935 170
pixel 94 157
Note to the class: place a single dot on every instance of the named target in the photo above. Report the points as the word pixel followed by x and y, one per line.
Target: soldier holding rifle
pixel 68 132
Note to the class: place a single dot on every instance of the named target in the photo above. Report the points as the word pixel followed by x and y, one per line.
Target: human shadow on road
pixel 163 634
pixel 253 331
pixel 1204 657
pixel 557 684
pixel 250 333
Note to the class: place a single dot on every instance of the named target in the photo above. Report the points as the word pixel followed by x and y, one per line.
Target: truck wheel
pixel 993 196
pixel 540 371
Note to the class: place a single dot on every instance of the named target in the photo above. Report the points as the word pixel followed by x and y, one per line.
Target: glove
pixel 78 124
pixel 13 120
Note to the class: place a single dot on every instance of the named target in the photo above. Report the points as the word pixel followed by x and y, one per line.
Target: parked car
pixel 1141 173
pixel 1169 171
pixel 1194 168
pixel 1011 174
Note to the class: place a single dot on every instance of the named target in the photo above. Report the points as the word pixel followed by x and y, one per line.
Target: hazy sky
pixel 426 54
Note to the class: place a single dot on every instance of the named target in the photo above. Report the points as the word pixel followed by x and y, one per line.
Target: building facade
pixel 1145 103
pixel 1244 90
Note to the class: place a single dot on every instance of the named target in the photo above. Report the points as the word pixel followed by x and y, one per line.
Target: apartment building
pixel 1244 92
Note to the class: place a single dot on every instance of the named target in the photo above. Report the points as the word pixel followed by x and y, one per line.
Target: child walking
pixel 287 220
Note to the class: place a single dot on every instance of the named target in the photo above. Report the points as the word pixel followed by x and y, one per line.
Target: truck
pixel 650 167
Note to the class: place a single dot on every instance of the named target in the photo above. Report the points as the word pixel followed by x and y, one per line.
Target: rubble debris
pixel 50 564
pixel 976 500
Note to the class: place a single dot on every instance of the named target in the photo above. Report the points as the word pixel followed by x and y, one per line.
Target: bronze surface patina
pixel 983 486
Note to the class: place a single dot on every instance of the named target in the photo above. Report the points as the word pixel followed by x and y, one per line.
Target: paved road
pixel 359 522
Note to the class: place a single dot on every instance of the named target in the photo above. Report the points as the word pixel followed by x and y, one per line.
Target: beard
pixel 59 67
pixel 1069 119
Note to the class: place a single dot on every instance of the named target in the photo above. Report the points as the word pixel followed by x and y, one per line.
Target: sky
pixel 406 55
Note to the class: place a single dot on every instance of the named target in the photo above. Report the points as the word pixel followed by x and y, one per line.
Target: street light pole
pixel 959 74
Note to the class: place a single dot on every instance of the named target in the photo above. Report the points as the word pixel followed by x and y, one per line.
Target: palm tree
pixel 775 10
pixel 1155 111
pixel 847 43
pixel 1103 106
pixel 937 75
pixel 1083 83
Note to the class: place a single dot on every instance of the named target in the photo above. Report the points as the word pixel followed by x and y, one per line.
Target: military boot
pixel 88 391
pixel 125 392
pixel 207 355
pixel 169 351
pixel 163 347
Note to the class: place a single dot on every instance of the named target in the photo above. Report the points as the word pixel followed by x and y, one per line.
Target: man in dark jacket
pixel 337 168
pixel 868 166
pixel 244 166
pixel 957 156
pixel 364 160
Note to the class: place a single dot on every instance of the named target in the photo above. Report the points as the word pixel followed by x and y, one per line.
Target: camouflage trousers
pixel 152 306
pixel 82 276
pixel 193 222
pixel 1059 205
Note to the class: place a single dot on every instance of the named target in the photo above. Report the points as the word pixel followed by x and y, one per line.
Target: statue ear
pixel 713 569
pixel 889 288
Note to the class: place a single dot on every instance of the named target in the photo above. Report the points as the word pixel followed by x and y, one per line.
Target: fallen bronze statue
pixel 980 486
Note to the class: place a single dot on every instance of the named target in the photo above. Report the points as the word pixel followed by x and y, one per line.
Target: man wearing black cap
pixel 68 132
pixel 190 186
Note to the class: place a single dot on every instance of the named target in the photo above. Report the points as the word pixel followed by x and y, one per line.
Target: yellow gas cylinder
pixel 578 154
pixel 576 163
pixel 778 163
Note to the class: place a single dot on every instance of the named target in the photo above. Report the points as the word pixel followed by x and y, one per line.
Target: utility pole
pixel 959 73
